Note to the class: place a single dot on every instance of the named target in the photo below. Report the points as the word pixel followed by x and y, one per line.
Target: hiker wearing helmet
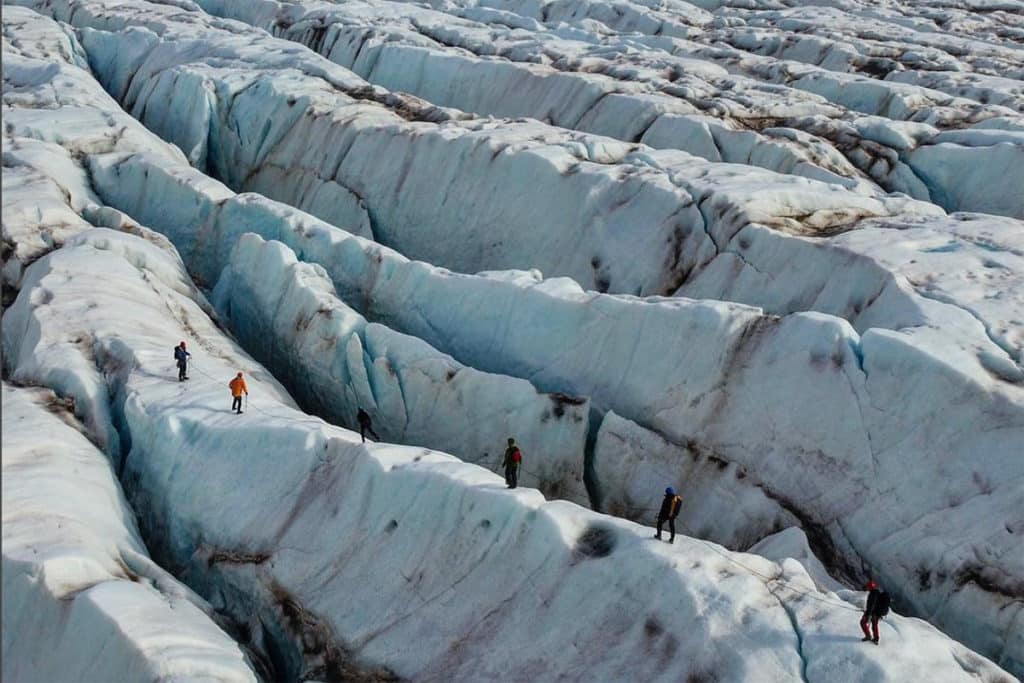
pixel 365 425
pixel 670 505
pixel 181 356
pixel 238 387
pixel 513 458
pixel 877 607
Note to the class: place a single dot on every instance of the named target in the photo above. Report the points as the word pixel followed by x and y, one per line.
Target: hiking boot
pixel 865 639
pixel 875 641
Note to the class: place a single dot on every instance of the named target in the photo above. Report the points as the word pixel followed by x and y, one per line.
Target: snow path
pixel 82 599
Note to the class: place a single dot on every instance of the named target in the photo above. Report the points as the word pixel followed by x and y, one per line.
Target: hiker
pixel 237 386
pixel 513 458
pixel 669 511
pixel 181 356
pixel 877 607
pixel 365 425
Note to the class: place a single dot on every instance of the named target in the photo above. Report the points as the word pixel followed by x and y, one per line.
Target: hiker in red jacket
pixel 513 458
pixel 670 505
pixel 877 607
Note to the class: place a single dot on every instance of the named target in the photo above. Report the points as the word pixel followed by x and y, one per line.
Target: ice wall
pixel 82 601
pixel 288 314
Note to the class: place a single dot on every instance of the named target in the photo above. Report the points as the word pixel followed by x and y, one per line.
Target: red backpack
pixel 516 455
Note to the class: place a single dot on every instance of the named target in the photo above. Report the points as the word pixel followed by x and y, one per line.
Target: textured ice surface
pixel 765 417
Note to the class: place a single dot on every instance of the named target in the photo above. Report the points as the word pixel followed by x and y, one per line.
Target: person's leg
pixel 672 529
pixel 362 432
pixel 236 405
pixel 864 626
pixel 515 477
pixel 661 523
pixel 874 627
pixel 181 371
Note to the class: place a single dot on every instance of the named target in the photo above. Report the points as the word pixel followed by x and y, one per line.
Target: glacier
pixel 786 409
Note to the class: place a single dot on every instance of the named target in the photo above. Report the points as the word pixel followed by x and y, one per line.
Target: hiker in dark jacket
pixel 670 505
pixel 365 425
pixel 877 607
pixel 513 458
pixel 181 356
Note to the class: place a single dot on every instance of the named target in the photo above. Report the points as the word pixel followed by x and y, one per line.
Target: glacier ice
pixel 929 352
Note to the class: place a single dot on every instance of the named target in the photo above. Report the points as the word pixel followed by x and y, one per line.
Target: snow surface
pixel 77 580
pixel 765 418
pixel 387 586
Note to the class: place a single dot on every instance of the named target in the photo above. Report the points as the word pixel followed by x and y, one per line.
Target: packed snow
pixel 832 376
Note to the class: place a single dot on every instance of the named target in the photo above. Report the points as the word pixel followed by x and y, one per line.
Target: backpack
pixel 516 456
pixel 882 603
pixel 673 510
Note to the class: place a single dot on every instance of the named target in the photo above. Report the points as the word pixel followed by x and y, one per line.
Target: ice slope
pixel 82 601
pixel 288 314
pixel 668 211
pixel 825 421
pixel 340 557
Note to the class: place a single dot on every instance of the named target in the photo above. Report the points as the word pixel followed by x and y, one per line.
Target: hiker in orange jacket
pixel 238 387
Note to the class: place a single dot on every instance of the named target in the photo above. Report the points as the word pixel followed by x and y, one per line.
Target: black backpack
pixel 882 604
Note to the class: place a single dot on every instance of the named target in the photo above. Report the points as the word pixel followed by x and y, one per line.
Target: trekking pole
pixel 247 401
